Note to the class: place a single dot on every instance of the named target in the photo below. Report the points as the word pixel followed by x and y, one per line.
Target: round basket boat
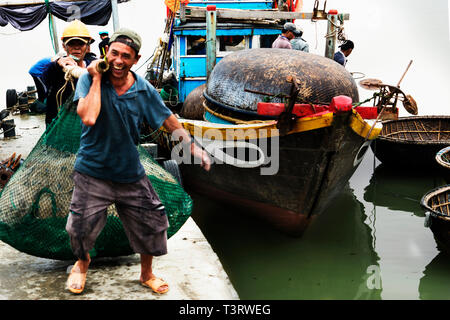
pixel 436 204
pixel 412 142
pixel 443 157
pixel 244 78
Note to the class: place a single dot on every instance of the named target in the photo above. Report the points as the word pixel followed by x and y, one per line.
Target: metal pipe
pixel 103 66
pixel 211 24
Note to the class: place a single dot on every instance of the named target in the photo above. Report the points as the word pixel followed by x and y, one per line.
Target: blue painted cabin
pixel 189 47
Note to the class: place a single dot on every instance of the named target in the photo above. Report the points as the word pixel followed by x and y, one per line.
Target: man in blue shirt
pixel 107 169
pixel 346 48
pixel 37 71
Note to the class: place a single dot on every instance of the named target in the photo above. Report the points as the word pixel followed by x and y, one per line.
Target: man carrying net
pixel 107 169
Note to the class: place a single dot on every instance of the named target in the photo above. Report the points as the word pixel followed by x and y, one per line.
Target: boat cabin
pixel 189 46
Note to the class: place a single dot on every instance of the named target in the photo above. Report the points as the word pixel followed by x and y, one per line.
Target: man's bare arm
pixel 172 124
pixel 89 107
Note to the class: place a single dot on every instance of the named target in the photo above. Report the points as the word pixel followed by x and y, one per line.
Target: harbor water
pixel 371 243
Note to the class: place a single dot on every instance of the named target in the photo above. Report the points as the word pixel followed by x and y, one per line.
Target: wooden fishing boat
pixel 285 137
pixel 287 166
pixel 412 141
pixel 443 157
pixel 436 203
pixel 293 178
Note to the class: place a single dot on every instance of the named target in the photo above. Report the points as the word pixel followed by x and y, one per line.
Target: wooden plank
pixel 198 12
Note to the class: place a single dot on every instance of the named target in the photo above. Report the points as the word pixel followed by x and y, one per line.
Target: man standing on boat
pixel 298 43
pixel 284 39
pixel 76 39
pixel 107 169
pixel 346 48
pixel 103 45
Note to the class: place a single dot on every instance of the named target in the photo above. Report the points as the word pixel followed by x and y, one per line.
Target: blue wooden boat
pixel 302 160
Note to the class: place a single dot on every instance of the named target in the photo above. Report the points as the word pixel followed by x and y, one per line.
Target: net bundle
pixel 34 204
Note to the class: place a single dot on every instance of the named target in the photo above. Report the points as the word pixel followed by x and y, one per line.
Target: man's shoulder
pixel 142 83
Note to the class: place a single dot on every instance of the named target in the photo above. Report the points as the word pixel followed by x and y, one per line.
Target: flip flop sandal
pixel 76 278
pixel 155 284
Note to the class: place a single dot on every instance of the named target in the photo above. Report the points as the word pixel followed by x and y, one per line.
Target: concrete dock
pixel 191 267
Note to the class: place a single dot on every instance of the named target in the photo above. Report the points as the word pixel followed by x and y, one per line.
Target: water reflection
pixel 333 260
pixel 404 245
pixel 435 284
pixel 400 190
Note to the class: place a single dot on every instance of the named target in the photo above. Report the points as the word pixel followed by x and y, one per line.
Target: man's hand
pixel 92 68
pixel 199 153
pixel 66 61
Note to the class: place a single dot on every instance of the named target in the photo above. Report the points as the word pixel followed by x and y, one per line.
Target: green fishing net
pixel 34 204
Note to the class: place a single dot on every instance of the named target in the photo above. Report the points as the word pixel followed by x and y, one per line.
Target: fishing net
pixel 34 204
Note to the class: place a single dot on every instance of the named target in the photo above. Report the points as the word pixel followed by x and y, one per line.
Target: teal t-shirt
pixel 108 148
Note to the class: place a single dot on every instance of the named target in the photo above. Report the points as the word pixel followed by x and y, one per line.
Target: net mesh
pixel 34 204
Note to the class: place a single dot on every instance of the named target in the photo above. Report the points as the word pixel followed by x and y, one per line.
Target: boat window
pixel 265 41
pixel 231 43
pixel 196 45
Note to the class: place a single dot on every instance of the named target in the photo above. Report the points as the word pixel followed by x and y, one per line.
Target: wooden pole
pixel 211 22
pixel 54 33
pixel 404 74
pixel 330 46
pixel 115 15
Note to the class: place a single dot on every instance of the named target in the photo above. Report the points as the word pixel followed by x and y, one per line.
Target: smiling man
pixel 107 169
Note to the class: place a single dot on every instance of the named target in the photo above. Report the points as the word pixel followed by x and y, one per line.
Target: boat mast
pixel 54 33
pixel 211 22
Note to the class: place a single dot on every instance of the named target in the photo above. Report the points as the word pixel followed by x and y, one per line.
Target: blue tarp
pixel 27 17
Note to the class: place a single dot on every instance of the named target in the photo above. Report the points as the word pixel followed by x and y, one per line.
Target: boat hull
pixel 435 203
pixel 314 164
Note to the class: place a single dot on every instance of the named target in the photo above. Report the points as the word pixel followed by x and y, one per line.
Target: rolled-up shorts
pixel 139 208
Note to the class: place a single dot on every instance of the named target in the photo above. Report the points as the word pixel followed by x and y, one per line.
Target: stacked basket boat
pixel 436 203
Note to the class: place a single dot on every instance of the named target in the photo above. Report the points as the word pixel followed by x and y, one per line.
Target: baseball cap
pixel 298 31
pixel 128 37
pixel 289 26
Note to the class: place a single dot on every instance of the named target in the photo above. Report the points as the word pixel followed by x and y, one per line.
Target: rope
pixel 71 72
pixel 339 30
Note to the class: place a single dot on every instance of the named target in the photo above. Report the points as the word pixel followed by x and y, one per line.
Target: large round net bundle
pixel 34 204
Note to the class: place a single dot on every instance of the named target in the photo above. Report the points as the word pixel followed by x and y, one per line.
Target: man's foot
pixel 77 279
pixel 156 284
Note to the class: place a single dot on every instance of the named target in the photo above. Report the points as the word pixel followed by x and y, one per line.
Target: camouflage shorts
pixel 142 214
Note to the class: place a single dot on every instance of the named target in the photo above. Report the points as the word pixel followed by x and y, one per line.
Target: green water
pixel 371 243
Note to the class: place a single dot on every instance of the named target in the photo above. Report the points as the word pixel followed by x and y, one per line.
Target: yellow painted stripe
pixel 214 131
pixel 362 128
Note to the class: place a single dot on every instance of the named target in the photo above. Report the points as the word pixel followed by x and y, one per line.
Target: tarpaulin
pixel 94 12
pixel 174 5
